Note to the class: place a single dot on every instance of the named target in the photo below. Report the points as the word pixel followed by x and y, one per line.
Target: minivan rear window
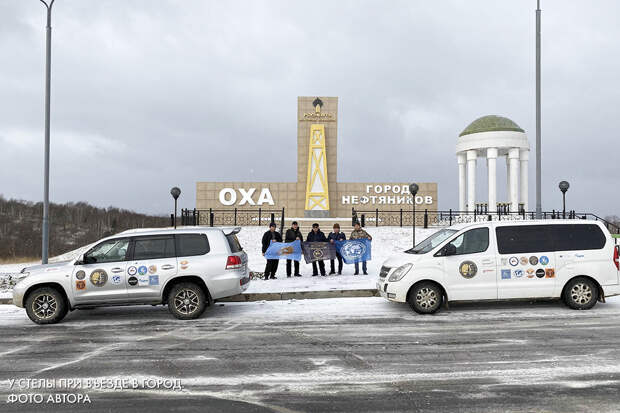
pixel 543 238
pixel 574 237
pixel 524 239
pixel 192 244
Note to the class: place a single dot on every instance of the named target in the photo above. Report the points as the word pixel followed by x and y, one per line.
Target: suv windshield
pixel 431 242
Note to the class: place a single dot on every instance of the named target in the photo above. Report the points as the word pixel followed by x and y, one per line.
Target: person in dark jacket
pixel 292 234
pixel 271 236
pixel 316 235
pixel 359 233
pixel 334 236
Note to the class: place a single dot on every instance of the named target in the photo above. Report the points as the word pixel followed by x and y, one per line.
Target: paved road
pixel 336 355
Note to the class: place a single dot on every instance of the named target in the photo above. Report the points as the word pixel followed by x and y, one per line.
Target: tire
pixel 46 305
pixel 581 293
pixel 425 298
pixel 187 301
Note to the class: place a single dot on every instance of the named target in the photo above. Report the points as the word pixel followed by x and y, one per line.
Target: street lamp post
pixel 413 189
pixel 175 192
pixel 564 185
pixel 45 227
pixel 538 119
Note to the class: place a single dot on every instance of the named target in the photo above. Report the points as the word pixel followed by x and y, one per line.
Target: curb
pixel 297 295
pixel 300 295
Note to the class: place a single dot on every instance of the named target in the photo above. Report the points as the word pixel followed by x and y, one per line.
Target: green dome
pixel 491 123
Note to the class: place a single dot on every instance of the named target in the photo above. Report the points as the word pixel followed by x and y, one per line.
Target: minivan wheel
pixel 46 305
pixel 425 298
pixel 581 293
pixel 187 301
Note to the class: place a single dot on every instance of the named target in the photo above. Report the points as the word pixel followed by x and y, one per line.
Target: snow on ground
pixel 386 241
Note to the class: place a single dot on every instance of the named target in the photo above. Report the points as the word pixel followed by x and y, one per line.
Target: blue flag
pixel 284 251
pixel 354 250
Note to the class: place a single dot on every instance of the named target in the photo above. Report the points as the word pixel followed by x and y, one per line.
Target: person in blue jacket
pixel 316 235
pixel 334 236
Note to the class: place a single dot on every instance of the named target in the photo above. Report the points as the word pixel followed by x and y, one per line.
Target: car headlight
pixel 400 272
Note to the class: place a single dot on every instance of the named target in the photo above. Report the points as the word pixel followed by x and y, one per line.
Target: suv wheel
pixel 187 301
pixel 581 294
pixel 45 305
pixel 425 298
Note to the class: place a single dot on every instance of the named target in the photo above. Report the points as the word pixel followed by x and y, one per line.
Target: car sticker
pixel 533 260
pixel 153 279
pixel 132 270
pixel 468 269
pixel 143 280
pixel 505 274
pixel 116 279
pixel 530 273
pixel 514 261
pixel 80 275
pixel 518 273
pixel 540 273
pixel 142 270
pixel 544 260
pixel 80 285
pixel 152 269
pixel 549 273
pixel 132 281
pixel 98 278
pixel 524 261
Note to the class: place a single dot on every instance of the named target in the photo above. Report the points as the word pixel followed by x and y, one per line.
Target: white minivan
pixel 575 260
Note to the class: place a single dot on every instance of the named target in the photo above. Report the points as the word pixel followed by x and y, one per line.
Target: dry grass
pixel 18 260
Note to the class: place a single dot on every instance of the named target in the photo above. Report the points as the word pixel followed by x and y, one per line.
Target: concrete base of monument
pixel 316 214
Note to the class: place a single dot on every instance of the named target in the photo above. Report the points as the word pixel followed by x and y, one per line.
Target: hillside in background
pixel 72 225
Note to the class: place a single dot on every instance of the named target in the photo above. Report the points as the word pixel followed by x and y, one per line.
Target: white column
pixel 472 156
pixel 461 159
pixel 492 179
pixel 513 156
pixel 524 157
pixel 507 179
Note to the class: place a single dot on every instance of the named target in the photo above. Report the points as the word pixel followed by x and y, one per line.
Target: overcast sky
pixel 151 94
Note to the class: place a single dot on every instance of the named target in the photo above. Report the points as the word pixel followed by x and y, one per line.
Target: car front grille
pixel 384 272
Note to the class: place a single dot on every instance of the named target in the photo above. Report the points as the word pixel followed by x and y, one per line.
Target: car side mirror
pixel 85 260
pixel 449 249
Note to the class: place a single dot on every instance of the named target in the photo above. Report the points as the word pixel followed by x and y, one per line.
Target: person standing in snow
pixel 293 234
pixel 271 236
pixel 359 233
pixel 334 236
pixel 316 235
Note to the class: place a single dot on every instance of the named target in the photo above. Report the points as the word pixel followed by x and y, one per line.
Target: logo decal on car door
pixel 468 269
pixel 98 278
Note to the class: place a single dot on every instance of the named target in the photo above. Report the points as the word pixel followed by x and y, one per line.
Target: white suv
pixel 184 268
pixel 570 259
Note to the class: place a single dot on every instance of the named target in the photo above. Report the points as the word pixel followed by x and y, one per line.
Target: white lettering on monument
pixel 403 197
pixel 228 197
pixel 232 196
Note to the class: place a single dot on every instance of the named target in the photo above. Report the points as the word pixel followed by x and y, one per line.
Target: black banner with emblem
pixel 317 251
